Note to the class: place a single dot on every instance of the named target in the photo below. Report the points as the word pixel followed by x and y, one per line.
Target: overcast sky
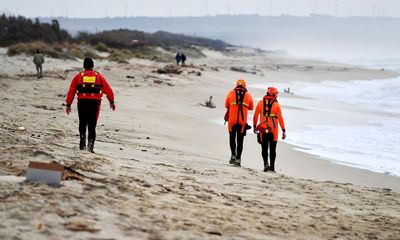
pixel 115 8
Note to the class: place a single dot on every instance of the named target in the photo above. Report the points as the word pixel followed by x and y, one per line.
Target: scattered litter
pixel 80 226
pixel 65 214
pixel 196 73
pixel 39 226
pixel 50 173
pixel 287 90
pixel 208 103
pixel 169 69
pixel 218 233
pixel 242 69
pixel 21 128
pixel 44 107
pixel 129 76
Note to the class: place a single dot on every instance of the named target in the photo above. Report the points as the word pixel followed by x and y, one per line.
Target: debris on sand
pixel 71 174
pixel 208 103
pixel 50 173
pixel 129 76
pixel 52 74
pixel 158 80
pixel 288 91
pixel 196 73
pixel 169 69
pixel 80 226
pixel 242 69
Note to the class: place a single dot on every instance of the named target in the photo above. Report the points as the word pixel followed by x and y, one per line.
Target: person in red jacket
pixel 268 111
pixel 238 103
pixel 89 86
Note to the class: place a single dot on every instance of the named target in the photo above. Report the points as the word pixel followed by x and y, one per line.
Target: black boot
pixel 232 160
pixel 238 162
pixel 266 168
pixel 82 143
pixel 90 145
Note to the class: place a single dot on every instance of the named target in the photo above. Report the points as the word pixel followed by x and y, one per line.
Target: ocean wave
pixel 372 146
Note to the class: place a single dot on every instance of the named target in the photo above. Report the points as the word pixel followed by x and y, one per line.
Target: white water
pixel 375 95
pixel 371 144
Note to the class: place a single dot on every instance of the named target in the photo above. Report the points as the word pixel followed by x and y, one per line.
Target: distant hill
pixel 312 36
pixel 124 38
pixel 25 36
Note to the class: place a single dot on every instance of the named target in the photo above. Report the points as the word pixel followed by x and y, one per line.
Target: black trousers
pixel 39 70
pixel 268 141
pixel 88 111
pixel 236 136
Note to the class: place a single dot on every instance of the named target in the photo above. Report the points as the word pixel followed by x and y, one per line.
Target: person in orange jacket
pixel 238 103
pixel 89 85
pixel 268 113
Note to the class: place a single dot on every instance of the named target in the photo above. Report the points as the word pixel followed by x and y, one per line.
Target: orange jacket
pixel 236 116
pixel 89 85
pixel 271 122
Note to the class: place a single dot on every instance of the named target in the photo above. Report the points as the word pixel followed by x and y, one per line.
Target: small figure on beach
pixel 89 85
pixel 183 59
pixel 268 113
pixel 38 60
pixel 178 58
pixel 238 102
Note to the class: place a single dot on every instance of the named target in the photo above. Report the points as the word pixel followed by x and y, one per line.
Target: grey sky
pixel 104 8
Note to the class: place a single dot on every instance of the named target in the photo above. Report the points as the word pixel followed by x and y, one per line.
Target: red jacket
pixel 89 85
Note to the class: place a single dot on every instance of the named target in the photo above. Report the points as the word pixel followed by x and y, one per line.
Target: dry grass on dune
pixel 74 51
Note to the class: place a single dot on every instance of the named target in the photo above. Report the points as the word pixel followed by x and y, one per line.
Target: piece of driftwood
pixel 52 74
pixel 208 103
pixel 169 69
pixel 71 174
pixel 242 69
pixel 80 226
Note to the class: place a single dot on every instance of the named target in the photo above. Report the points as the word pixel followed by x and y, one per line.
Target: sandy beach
pixel 161 169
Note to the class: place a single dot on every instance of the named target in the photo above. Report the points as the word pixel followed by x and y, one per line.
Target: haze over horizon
pixel 176 8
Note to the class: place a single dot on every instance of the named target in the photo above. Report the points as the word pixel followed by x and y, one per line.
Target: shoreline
pixel 343 173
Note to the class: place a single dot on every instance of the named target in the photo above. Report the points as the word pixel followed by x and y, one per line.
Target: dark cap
pixel 88 63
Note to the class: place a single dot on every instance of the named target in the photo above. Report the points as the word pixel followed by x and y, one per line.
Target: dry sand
pixel 160 170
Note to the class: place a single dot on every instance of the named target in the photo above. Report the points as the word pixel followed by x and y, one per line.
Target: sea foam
pixel 372 145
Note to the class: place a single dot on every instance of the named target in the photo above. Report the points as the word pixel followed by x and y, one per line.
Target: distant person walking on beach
pixel 183 59
pixel 38 60
pixel 178 58
pixel 238 103
pixel 268 113
pixel 89 85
